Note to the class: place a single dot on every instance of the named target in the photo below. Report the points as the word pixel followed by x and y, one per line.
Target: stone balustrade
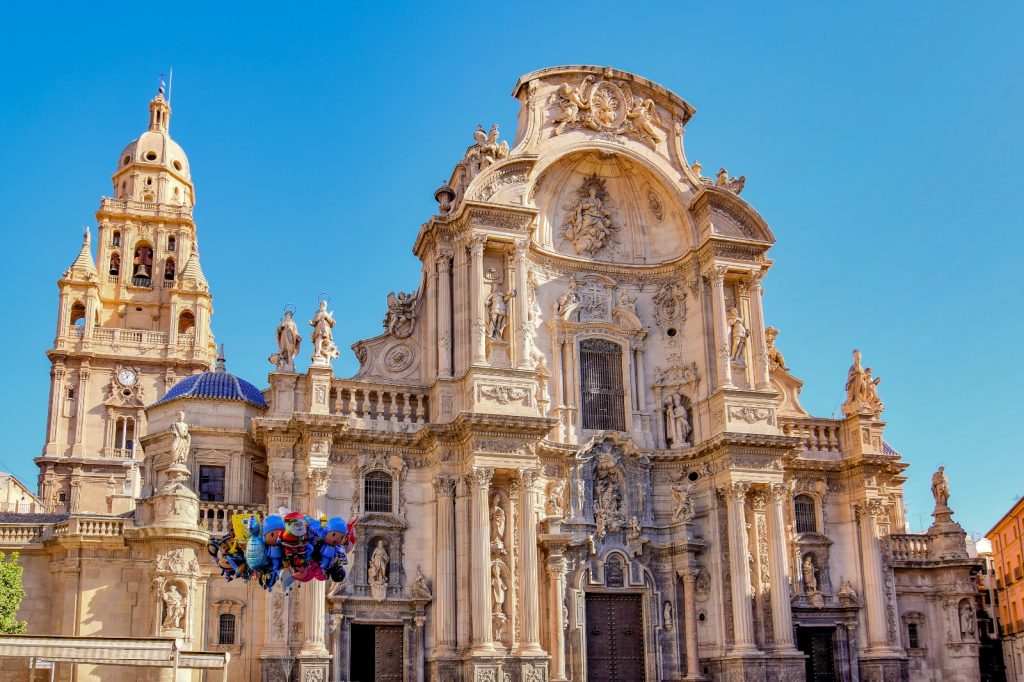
pixel 374 406
pixel 215 517
pixel 20 534
pixel 819 435
pixel 129 337
pixel 146 207
pixel 95 526
pixel 910 546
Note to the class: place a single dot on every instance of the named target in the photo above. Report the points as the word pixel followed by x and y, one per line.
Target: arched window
pixel 377 492
pixel 124 435
pixel 142 266
pixel 601 395
pixel 115 240
pixel 115 264
pixel 806 516
pixel 186 322
pixel 226 628
pixel 77 314
pixel 169 270
pixel 171 241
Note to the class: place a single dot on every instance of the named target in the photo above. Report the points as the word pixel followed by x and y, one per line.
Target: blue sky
pixel 881 141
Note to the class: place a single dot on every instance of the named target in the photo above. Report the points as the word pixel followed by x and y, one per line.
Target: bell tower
pixel 130 323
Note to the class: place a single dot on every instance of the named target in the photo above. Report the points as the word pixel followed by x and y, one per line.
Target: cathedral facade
pixel 575 451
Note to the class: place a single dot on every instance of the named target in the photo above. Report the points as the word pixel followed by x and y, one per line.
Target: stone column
pixel 759 351
pixel 79 447
pixel 478 315
pixel 521 299
pixel 444 314
pixel 445 591
pixel 782 615
pixel 689 578
pixel 480 579
pixel 557 569
pixel 874 581
pixel 530 595
pixel 721 335
pixel 56 403
pixel 742 615
pixel 318 479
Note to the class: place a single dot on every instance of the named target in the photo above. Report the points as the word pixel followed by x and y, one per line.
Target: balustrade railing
pixel 178 211
pixel 216 516
pixel 91 526
pixel 124 336
pixel 910 546
pixel 21 533
pixel 819 435
pixel 374 406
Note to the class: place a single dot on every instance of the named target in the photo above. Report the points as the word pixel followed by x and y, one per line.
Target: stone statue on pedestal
pixel 182 443
pixel 322 323
pixel 288 342
pixel 497 309
pixel 174 607
pixel 737 334
pixel 940 488
pixel 377 575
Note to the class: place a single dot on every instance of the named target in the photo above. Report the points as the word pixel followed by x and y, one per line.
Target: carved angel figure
pixel 734 185
pixel 589 224
pixel 288 342
pixel 400 319
pixel 737 334
pixel 775 359
pixel 323 338
pixel 174 607
pixel 570 103
pixel 182 442
pixel 643 115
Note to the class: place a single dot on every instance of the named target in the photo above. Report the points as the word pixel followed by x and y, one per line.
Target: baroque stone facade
pixel 574 450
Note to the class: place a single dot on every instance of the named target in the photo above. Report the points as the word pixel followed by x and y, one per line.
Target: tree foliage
pixel 11 593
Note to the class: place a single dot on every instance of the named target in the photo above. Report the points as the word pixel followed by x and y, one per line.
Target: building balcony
pixel 143 339
pixel 910 546
pixel 379 408
pixel 152 208
pixel 819 435
pixel 215 517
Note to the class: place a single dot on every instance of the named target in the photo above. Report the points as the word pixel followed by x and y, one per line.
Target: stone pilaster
pixel 530 594
pixel 445 591
pixel 782 615
pixel 557 567
pixel 874 580
pixel 479 312
pixel 480 581
pixel 523 341
pixel 689 578
pixel 759 350
pixel 444 314
pixel 721 333
pixel 742 614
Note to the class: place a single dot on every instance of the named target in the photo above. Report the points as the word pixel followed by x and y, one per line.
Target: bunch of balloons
pixel 287 547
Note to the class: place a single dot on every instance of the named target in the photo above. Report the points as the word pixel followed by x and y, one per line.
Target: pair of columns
pixel 742 597
pixel 482 635
pixel 749 304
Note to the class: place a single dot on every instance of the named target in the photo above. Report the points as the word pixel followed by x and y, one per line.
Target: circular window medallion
pixel 399 357
pixel 177 165
pixel 150 156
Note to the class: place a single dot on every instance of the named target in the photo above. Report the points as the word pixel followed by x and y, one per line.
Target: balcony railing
pixel 90 526
pixel 910 546
pixel 21 533
pixel 149 207
pixel 136 337
pixel 216 516
pixel 819 435
pixel 372 406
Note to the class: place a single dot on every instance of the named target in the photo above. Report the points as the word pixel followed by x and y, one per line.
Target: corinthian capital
pixel 319 479
pixel 481 476
pixel 780 492
pixel 444 486
pixel 476 244
pixel 529 478
pixel 688 575
pixel 716 274
pixel 736 490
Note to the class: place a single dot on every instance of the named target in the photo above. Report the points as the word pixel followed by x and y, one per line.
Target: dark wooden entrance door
pixel 385 662
pixel 615 638
pixel 819 645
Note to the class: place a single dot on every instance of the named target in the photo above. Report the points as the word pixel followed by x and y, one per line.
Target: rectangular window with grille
pixel 211 484
pixel 601 395
pixel 377 492
pixel 226 629
pixel 806 520
pixel 913 637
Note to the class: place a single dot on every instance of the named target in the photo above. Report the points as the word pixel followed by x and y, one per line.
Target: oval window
pixel 150 156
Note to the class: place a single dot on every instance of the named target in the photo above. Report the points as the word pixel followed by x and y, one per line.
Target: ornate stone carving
pixel 377 575
pixel 420 588
pixel 319 479
pixel 677 375
pixel 400 320
pixel 486 151
pixel 399 357
pixel 738 334
pixel 681 498
pixel 775 359
pixel 481 476
pixel 177 561
pixel 554 504
pixel 847 595
pixel 175 604
pixel 497 310
pixel 589 224
pixel 752 415
pixel 322 337
pixel 654 203
pixel 123 389
pixel 734 185
pixel 670 305
pixel 608 108
pixel 288 342
pixel 281 482
pixel 861 390
pixel 502 394
pixel 608 491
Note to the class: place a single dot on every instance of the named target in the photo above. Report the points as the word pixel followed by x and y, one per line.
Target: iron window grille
pixel 226 629
pixel 377 492
pixel 806 521
pixel 601 392
pixel 211 484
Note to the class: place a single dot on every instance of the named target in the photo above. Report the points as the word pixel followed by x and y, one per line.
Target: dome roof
pixel 214 385
pixel 155 146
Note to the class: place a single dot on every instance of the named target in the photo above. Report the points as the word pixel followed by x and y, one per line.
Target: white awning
pixel 155 652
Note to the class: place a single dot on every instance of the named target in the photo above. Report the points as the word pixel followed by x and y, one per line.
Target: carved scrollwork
pixel 399 357
pixel 504 394
pixel 752 415
pixel 606 107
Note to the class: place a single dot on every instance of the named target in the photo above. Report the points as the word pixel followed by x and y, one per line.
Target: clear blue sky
pixel 881 141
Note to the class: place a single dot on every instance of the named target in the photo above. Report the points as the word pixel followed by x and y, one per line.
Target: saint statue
pixel 377 576
pixel 810 580
pixel 940 488
pixel 967 619
pixel 497 309
pixel 589 224
pixel 420 588
pixel 666 616
pixel 323 338
pixel 677 424
pixel 737 334
pixel 498 588
pixel 182 442
pixel 497 523
pixel 288 342
pixel 556 492
pixel 174 607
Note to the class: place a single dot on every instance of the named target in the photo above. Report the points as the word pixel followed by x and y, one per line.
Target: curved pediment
pixel 720 212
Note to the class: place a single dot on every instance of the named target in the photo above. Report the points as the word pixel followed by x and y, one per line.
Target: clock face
pixel 126 377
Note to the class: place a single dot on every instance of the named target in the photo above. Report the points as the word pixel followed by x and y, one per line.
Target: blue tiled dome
pixel 215 385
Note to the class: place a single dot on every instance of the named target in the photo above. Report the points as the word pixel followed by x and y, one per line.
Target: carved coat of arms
pixel 606 107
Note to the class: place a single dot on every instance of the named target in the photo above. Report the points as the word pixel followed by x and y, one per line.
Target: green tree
pixel 11 593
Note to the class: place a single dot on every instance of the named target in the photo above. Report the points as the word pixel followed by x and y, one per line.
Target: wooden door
pixel 615 638
pixel 388 653
pixel 819 645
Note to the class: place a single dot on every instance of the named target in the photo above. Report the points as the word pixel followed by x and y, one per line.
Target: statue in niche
pixel 666 616
pixel 861 390
pixel 775 359
pixel 400 319
pixel 556 492
pixel 635 529
pixel 322 338
pixel 288 342
pixel 940 488
pixel 677 422
pixel 589 224
pixel 497 524
pixel 377 576
pixel 681 497
pixel 580 492
pixel 498 589
pixel 607 496
pixel 737 334
pixel 810 571
pixel 174 607
pixel 497 310
pixel 967 620
pixel 182 442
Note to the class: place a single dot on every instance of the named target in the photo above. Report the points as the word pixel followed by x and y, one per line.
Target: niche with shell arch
pixel 611 207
